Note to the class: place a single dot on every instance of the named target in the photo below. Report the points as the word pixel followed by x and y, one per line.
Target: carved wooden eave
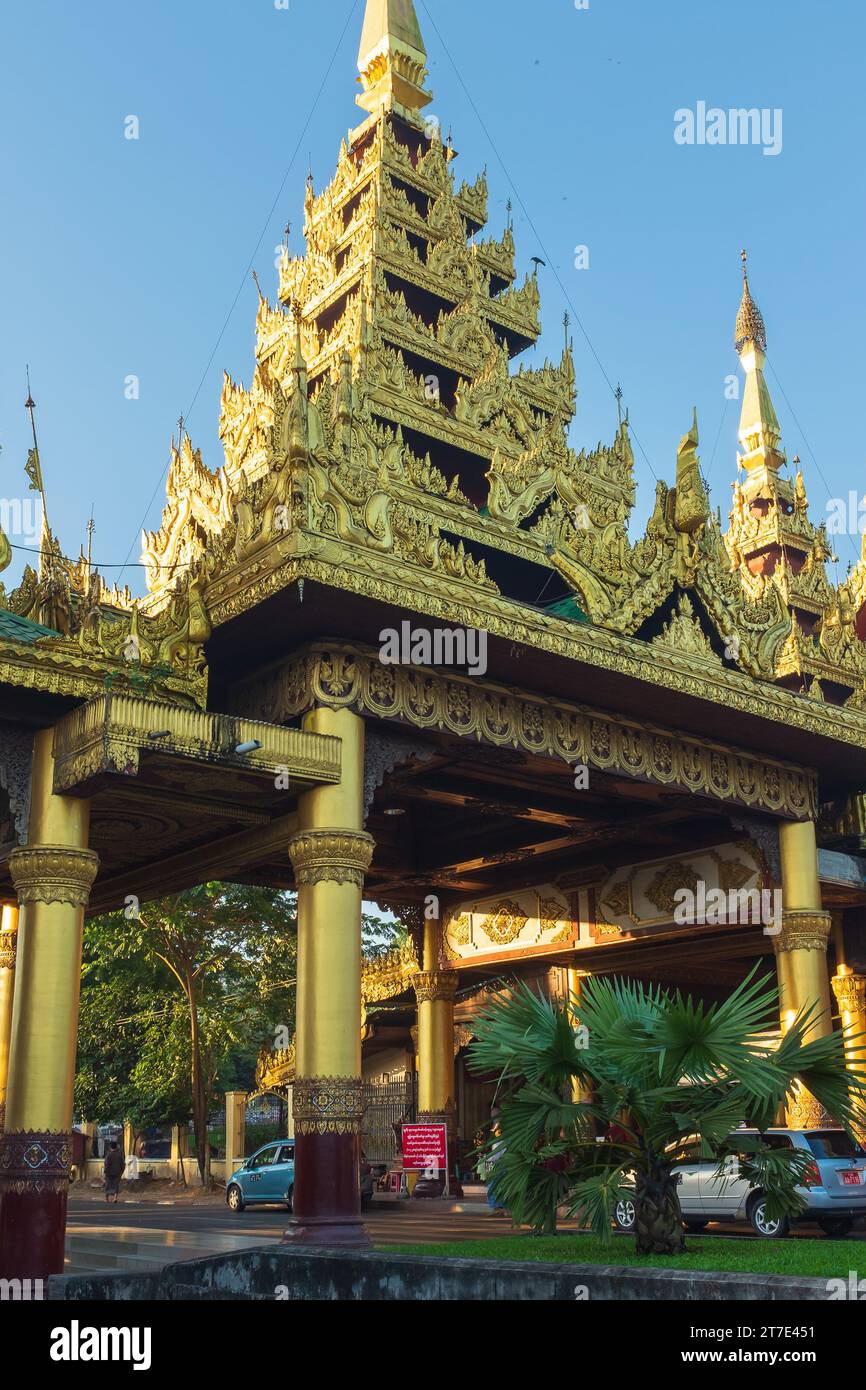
pixel 179 794
pixel 116 734
pixel 349 677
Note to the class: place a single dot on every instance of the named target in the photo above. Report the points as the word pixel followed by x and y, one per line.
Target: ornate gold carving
pixel 347 676
pixel 35 1161
pixel 553 914
pixel 850 992
pixel 430 985
pixel 506 923
pixel 328 1104
pixel 685 634
pixel 805 1112
pixel 803 931
pixel 53 874
pixel 390 975
pixel 332 856
pixel 8 945
pixel 463 1036
pixel 661 891
pixel 108 734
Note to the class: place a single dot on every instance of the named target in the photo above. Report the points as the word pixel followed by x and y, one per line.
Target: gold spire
pixel 760 431
pixel 750 322
pixel 392 59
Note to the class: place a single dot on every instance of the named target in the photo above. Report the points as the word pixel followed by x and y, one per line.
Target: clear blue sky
pixel 121 257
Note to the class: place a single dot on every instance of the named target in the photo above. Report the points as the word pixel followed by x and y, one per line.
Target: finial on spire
pixel 33 466
pixel 750 326
pixel 392 59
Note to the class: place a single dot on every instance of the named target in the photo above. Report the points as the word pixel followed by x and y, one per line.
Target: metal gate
pixel 387 1105
pixel 267 1114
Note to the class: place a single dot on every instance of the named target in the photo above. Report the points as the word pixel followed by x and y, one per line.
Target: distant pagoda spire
pixel 392 59
pixel 760 432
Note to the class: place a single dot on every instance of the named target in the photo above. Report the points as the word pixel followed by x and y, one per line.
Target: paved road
pixel 404 1223
pixel 392 1224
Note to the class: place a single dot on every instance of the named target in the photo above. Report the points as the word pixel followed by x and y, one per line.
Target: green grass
pixel 826 1259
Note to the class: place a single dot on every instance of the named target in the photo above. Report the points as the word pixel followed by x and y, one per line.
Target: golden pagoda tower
pixel 772 542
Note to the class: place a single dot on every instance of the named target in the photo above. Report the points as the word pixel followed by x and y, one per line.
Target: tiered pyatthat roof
pixel 66 631
pixel 387 433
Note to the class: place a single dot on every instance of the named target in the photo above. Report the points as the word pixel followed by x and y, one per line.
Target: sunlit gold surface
pixel 328 1040
pixel 45 1008
pixel 8 943
pixel 801 949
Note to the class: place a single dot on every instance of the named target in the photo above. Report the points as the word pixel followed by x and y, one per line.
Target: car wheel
pixel 836 1226
pixel 290 1198
pixel 624 1214
pixel 763 1226
pixel 235 1198
pixel 695 1227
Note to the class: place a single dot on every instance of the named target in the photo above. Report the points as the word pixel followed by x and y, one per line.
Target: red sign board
pixel 425 1146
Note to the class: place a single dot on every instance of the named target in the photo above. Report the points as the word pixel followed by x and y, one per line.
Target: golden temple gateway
pixel 572 729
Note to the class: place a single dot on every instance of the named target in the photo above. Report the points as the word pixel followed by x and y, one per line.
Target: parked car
pixel 269 1178
pixel 835 1185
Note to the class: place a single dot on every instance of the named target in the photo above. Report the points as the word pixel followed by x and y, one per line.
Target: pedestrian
pixel 497 1149
pixel 112 1169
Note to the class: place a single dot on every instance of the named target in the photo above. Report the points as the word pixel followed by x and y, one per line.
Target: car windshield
pixel 834 1143
pixel 264 1158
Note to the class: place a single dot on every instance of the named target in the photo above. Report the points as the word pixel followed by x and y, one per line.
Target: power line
pixel 613 389
pixel 255 252
pixel 818 467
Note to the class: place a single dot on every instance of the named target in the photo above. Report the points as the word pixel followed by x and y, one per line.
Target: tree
pixel 179 996
pixel 380 936
pixel 669 1081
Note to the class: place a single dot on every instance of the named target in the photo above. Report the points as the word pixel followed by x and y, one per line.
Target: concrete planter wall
pixel 272 1273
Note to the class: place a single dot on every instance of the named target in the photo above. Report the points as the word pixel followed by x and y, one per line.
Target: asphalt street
pixel 403 1223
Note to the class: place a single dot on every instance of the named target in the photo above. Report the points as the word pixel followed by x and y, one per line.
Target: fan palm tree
pixel 668 1079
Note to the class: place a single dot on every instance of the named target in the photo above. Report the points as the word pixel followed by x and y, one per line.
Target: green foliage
pixel 238 944
pixel 380 937
pixel 670 1079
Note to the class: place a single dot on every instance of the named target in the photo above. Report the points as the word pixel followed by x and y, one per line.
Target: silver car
pixel 835 1187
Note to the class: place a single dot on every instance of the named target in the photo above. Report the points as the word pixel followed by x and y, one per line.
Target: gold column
pixel 434 991
pixel 850 992
pixel 330 855
pixel 53 876
pixel 236 1121
pixel 801 949
pixel 8 940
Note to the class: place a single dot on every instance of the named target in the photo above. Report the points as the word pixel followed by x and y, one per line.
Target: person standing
pixel 113 1169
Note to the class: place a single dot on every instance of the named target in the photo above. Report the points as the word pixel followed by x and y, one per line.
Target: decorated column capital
pixel 328 1104
pixel 850 992
pixel 53 874
pixel 331 856
pixel 430 985
pixel 807 930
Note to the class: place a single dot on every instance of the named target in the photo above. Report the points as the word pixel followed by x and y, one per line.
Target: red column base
pixel 32 1234
pixel 327 1196
pixel 34 1186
